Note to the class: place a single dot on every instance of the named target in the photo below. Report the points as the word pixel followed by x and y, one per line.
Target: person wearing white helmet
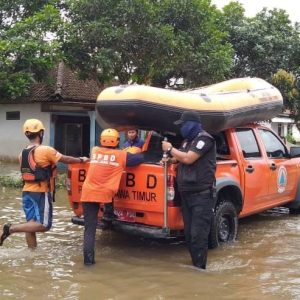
pixel 38 164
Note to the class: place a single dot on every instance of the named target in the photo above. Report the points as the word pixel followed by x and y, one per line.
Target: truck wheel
pixel 294 211
pixel 224 225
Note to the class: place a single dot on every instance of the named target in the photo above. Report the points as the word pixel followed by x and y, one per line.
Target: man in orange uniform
pixel 101 184
pixel 37 168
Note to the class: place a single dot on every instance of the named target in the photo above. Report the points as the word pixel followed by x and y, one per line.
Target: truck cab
pixel 255 172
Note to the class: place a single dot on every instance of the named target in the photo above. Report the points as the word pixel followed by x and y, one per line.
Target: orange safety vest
pixel 104 175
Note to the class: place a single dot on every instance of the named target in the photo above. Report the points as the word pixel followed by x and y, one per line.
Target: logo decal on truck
pixel 136 195
pixel 281 179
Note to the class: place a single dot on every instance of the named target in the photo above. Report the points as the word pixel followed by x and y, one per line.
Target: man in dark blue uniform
pixel 133 139
pixel 196 180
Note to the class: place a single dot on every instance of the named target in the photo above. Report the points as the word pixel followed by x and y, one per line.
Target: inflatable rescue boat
pixel 223 105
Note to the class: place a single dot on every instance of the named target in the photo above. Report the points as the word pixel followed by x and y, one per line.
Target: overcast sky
pixel 254 6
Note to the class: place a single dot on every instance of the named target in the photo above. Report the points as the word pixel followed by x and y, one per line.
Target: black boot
pixel 108 214
pixel 200 260
pixel 89 258
pixel 5 233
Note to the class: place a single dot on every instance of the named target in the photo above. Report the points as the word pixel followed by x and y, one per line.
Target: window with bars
pixel 12 115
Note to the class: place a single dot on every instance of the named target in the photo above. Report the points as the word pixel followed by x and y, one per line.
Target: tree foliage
pixel 289 87
pixel 151 42
pixel 286 83
pixel 263 44
pixel 25 53
pixel 147 41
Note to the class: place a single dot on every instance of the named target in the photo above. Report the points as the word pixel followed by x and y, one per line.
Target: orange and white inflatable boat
pixel 223 105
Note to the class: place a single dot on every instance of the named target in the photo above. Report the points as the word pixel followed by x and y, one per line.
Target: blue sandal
pixel 5 233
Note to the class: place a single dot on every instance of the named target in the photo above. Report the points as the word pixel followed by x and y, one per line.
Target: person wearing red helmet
pixel 101 184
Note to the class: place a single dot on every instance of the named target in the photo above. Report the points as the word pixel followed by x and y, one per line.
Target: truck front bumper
pixel 137 229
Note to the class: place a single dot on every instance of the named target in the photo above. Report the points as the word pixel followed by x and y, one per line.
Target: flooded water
pixel 264 263
pixel 11 169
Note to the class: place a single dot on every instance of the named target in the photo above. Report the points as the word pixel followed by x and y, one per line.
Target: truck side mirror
pixel 295 152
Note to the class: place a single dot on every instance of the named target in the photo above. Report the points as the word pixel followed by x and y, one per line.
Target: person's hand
pixel 84 159
pixel 165 145
pixel 165 160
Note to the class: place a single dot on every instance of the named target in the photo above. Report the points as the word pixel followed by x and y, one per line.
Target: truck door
pixel 255 170
pixel 282 170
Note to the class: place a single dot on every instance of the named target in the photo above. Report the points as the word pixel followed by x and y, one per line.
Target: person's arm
pixel 54 156
pixel 180 156
pixel 134 159
pixel 72 160
pixel 199 148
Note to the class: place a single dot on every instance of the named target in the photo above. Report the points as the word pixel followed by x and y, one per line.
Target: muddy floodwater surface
pixel 264 262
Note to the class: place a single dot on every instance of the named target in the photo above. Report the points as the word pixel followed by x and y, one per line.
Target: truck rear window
pixel 154 152
pixel 221 145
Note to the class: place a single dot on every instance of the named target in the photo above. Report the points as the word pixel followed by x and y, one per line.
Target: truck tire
pixel 224 225
pixel 294 211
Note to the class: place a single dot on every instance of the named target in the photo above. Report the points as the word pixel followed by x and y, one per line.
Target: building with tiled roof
pixel 65 105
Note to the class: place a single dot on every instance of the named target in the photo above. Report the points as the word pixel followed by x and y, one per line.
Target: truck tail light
pixel 170 190
pixel 68 182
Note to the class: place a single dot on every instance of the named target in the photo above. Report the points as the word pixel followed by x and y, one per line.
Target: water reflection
pixel 263 264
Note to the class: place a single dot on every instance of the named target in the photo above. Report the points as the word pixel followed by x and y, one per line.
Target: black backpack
pixel 30 170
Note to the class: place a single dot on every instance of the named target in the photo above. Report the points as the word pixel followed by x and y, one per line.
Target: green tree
pixel 294 62
pixel 146 41
pixel 28 48
pixel 286 83
pixel 234 17
pixel 263 44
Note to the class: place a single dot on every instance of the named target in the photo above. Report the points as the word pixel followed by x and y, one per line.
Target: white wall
pixel 12 139
pixel 274 127
pixel 296 133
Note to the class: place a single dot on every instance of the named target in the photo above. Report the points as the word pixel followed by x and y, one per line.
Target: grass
pixel 10 181
pixel 14 180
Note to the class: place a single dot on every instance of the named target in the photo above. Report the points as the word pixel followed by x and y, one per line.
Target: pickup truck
pixel 255 172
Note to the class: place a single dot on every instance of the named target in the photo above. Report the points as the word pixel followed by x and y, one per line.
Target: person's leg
pixel 38 212
pixel 200 228
pixel 31 240
pixel 30 228
pixel 108 213
pixel 186 216
pixel 90 210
